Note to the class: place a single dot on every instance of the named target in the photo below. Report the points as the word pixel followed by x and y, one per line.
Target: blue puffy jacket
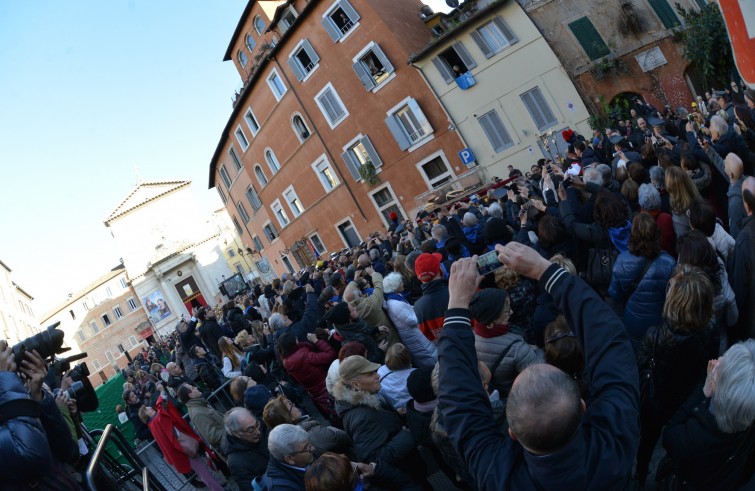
pixel 643 309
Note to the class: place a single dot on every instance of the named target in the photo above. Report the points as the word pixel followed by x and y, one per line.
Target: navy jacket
pixel 601 454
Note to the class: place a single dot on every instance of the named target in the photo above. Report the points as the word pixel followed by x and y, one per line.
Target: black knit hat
pixel 487 304
pixel 339 314
pixel 496 231
pixel 419 386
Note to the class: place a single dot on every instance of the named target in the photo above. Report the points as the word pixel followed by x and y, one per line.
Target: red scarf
pixel 494 331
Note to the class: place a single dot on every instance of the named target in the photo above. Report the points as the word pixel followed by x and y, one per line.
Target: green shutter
pixel 589 38
pixel 664 12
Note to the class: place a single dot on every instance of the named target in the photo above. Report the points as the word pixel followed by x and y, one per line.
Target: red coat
pixel 666 225
pixel 161 426
pixel 308 366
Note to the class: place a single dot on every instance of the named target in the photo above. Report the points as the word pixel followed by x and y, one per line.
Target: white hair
pixel 277 321
pixel 733 403
pixel 495 210
pixel 392 282
pixel 284 439
pixel 231 420
pixel 719 125
pixel 592 175
pixel 469 220
pixel 439 232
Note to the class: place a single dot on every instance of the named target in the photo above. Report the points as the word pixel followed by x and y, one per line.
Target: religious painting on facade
pixel 156 308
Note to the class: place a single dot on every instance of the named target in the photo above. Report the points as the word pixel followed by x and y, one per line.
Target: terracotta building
pixel 618 49
pixel 332 130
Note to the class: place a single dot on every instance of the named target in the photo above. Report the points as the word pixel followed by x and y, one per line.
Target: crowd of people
pixel 546 333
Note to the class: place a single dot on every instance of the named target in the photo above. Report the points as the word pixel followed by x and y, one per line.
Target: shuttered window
pixel 494 37
pixel 331 106
pixel 496 132
pixel 254 198
pixel 664 12
pixel 539 110
pixel 589 38
pixel 242 212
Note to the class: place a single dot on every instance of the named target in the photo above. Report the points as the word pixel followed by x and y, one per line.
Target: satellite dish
pixel 452 3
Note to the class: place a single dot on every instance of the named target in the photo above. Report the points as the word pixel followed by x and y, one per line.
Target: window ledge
pixel 420 143
pixel 384 82
pixel 348 33
pixel 313 70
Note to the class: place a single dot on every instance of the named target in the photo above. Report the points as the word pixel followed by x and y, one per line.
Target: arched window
pixel 250 42
pixel 260 175
pixel 301 130
pixel 259 25
pixel 272 162
pixel 243 60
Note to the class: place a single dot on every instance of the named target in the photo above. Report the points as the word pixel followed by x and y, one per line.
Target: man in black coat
pixel 245 446
pixel 211 331
pixel 742 271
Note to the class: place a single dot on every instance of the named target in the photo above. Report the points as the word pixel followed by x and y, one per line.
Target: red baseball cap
pixel 427 266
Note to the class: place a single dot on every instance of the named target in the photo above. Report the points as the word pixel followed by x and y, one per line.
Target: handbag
pixel 600 261
pixel 189 445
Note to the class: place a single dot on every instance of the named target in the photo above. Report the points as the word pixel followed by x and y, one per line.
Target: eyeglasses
pixel 290 406
pixel 308 449
pixel 253 428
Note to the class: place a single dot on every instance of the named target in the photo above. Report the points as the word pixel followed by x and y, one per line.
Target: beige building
pixel 501 84
pixel 17 321
pixel 106 320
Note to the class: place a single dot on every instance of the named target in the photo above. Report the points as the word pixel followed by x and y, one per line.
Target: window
pixel 235 158
pixel 259 25
pixel 73 315
pixel 96 365
pixel 225 177
pixel 300 128
pixel 435 170
pixel 237 226
pixel 664 12
pixel 254 198
pixel 270 233
pixel 250 42
pixel 243 59
pixel 288 18
pixel 109 291
pixel 385 202
pixel 317 244
pixel 331 106
pixel 241 138
pixel 257 243
pixel 124 283
pixel 276 85
pixel 538 109
pixel 493 37
pixel 221 194
pixel 117 312
pixel 287 263
pixel 94 326
pixel 242 212
pixel 496 132
pixel 110 357
pixel 303 60
pixel 260 175
pixel 453 62
pixel 272 161
pixel 131 304
pixel 280 213
pixel 81 336
pixel 105 320
pixel 340 20
pixel 360 152
pixel 408 124
pixel 325 173
pixel 121 348
pixel 372 67
pixel 231 253
pixel 251 121
pixel 133 341
pixel 239 268
pixel 293 201
pixel 348 233
pixel 589 38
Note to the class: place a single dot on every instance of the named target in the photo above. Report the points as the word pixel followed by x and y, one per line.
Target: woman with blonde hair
pixel 232 357
pixel 682 192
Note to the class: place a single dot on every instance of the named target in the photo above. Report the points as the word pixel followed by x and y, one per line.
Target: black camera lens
pixel 46 343
pixel 76 390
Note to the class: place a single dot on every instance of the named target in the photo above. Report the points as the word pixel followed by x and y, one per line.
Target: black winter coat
pixel 209 373
pixel 360 331
pixel 236 320
pixel 211 332
pixel 246 461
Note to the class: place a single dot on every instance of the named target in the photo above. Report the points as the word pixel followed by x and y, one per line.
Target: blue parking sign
pixel 467 157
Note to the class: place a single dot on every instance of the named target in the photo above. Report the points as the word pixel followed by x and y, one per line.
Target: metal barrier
pixel 159 470
pixel 222 397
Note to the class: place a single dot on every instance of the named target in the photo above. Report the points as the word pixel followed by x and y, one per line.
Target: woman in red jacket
pixel 177 441
pixel 307 364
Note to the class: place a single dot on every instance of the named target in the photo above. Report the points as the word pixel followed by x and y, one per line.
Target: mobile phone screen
pixel 488 262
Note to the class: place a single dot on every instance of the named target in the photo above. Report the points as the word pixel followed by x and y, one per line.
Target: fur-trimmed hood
pixel 348 398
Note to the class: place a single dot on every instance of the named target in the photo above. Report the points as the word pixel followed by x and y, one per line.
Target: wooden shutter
pixel 353 168
pixel 398 132
pixel 371 152
pixel 589 38
pixel 664 12
pixel 383 59
pixel 464 55
pixel 293 63
pixel 482 44
pixel 444 69
pixel 330 27
pixel 307 46
pixel 364 75
pixel 505 30
pixel 349 11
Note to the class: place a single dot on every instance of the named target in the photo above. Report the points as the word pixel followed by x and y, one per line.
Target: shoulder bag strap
pixel 500 359
pixel 636 282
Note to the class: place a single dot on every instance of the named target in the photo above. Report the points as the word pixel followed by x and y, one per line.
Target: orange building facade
pixel 332 130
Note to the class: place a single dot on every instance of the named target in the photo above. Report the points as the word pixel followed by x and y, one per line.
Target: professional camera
pixel 77 390
pixel 47 343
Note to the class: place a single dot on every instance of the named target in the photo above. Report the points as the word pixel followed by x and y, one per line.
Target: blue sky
pixel 89 91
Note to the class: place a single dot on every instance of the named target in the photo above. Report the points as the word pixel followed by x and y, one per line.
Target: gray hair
pixel 374 254
pixel 495 210
pixel 658 177
pixel 719 125
pixel 412 258
pixel 469 220
pixel 681 112
pixel 733 403
pixel 392 282
pixel 439 232
pixel 284 439
pixel 605 173
pixel 592 175
pixel 232 418
pixel 649 197
pixel 277 321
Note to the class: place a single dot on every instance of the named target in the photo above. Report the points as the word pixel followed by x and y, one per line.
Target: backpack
pixel 600 261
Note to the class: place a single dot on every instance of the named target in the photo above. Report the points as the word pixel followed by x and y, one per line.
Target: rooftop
pixel 143 193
